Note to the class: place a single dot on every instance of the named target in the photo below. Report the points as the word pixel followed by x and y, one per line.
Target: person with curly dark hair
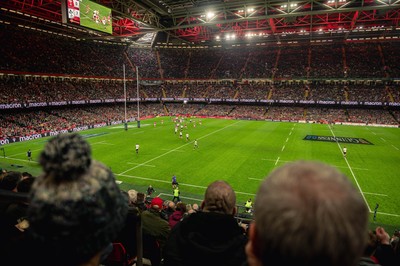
pixel 76 208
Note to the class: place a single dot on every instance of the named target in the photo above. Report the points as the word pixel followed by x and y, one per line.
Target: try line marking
pixel 168 152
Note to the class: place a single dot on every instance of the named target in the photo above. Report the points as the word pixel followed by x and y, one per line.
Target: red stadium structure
pixel 221 22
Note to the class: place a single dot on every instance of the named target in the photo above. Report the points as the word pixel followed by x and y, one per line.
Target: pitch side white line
pixel 168 152
pixel 255 179
pixel 395 147
pixel 356 168
pixel 17 154
pixel 283 147
pixel 148 165
pixel 389 214
pixel 180 184
pixel 182 197
pixel 351 171
pixel 377 194
pixel 22 160
pixel 277 160
pixel 273 160
pixel 104 143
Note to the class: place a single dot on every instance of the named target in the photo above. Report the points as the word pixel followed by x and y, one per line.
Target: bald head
pixel 308 213
pixel 219 197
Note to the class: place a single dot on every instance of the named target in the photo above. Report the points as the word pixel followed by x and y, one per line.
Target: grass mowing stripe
pixel 168 152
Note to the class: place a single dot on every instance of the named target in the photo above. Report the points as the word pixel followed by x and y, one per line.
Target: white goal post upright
pixel 125 119
pixel 137 97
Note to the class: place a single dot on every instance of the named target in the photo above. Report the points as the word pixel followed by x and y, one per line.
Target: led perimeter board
pixel 87 14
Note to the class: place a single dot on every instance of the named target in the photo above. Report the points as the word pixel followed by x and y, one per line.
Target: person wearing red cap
pixel 154 228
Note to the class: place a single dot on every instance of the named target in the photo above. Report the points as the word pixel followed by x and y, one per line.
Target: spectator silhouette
pixel 76 208
pixel 307 213
pixel 209 237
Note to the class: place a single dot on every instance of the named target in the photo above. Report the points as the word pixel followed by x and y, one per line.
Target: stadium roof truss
pixel 220 22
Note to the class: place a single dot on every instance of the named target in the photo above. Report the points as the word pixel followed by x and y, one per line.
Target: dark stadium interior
pixel 315 61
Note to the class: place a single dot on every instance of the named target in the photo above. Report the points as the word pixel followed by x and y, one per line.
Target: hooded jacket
pixel 206 238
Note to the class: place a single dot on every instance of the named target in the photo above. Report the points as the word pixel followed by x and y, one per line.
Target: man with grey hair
pixel 307 213
pixel 209 237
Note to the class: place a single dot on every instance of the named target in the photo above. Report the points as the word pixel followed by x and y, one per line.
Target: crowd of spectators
pixel 326 61
pixel 25 90
pixel 29 122
pixel 23 50
pixel 292 63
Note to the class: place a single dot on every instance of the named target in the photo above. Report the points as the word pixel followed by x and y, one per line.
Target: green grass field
pixel 240 152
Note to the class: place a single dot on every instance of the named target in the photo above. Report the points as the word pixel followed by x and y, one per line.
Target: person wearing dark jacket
pixel 177 215
pixel 210 237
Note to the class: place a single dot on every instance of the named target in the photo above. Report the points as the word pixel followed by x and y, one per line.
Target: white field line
pixel 389 214
pixel 148 165
pixel 383 139
pixel 351 171
pixel 180 184
pixel 174 150
pixel 168 152
pixel 259 179
pixel 182 197
pixel 283 147
pixel 21 160
pixel 277 160
pixel 273 160
pixel 17 154
pixel 103 143
pixel 395 147
pixel 356 168
pixel 376 194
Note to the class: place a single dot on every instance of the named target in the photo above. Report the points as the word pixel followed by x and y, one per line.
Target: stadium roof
pixel 220 22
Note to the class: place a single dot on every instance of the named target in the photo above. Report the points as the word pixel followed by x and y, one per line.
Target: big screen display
pixel 90 15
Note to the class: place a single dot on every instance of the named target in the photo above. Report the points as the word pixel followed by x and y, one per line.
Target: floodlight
pixel 210 14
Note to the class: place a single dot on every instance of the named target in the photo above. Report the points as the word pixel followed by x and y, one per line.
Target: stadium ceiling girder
pixel 46 9
pixel 191 21
pixel 185 21
pixel 332 21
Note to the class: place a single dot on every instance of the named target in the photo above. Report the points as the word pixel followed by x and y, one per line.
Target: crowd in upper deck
pixel 31 51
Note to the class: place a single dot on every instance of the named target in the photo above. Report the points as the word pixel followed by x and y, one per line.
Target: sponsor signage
pixel 338 139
